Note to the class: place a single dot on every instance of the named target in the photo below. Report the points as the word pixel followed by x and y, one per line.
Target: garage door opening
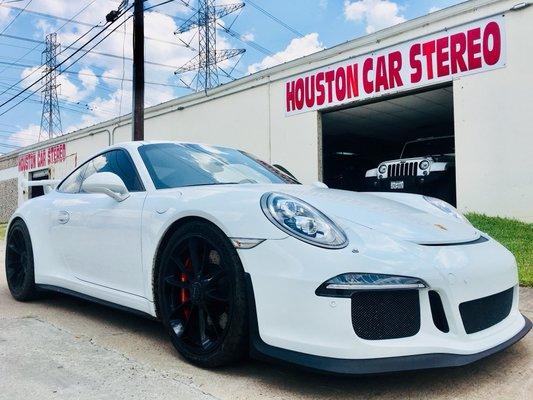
pixel 36 191
pixel 399 144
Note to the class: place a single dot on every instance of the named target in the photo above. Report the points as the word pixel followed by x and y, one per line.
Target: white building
pixel 465 71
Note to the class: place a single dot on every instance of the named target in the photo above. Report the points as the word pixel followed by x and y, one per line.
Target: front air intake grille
pixel 485 312
pixel 409 168
pixel 386 314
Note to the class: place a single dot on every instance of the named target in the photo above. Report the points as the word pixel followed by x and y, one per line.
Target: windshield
pixel 429 147
pixel 174 165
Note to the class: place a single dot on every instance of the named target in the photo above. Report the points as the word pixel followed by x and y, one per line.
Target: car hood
pixel 405 216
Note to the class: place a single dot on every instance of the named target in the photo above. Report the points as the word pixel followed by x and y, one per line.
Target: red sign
pixel 42 158
pixel 478 46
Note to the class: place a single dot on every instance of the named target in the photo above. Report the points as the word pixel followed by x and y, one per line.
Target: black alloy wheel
pixel 201 295
pixel 19 262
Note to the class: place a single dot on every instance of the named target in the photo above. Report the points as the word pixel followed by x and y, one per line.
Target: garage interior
pixel 36 191
pixel 359 138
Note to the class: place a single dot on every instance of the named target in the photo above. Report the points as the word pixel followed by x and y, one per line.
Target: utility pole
pixel 50 117
pixel 138 70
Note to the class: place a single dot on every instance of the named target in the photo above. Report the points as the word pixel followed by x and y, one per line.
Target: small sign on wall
pixel 466 49
pixel 42 158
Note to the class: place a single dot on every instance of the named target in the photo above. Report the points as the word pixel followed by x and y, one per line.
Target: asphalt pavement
pixel 65 348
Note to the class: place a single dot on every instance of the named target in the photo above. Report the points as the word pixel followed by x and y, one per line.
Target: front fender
pixel 237 214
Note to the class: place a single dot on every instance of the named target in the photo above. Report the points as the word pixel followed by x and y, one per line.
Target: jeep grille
pixel 403 169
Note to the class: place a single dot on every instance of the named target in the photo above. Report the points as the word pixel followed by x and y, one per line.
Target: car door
pixel 99 237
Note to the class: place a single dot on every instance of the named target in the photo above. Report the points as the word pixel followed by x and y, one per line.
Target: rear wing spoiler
pixel 47 184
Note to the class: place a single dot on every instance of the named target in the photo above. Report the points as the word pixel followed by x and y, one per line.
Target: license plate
pixel 396 185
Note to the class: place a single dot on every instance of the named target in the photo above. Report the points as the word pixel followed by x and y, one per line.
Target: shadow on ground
pixel 504 375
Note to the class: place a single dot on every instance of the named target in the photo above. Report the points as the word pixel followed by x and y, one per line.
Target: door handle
pixel 63 217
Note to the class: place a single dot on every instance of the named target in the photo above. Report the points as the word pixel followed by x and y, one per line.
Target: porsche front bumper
pixel 291 323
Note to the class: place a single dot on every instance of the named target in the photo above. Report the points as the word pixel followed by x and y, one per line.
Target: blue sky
pixel 94 91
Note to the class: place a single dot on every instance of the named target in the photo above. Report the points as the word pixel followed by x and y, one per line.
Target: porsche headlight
pixel 446 208
pixel 346 284
pixel 302 221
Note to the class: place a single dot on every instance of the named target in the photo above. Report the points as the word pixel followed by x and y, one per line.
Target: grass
pixel 2 231
pixel 515 235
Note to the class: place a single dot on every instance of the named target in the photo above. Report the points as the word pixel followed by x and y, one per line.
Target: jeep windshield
pixel 429 147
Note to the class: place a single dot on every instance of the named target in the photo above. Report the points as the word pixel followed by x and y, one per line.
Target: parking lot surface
pixel 65 348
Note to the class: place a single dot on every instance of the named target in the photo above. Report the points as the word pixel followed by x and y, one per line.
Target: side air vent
pixel 437 312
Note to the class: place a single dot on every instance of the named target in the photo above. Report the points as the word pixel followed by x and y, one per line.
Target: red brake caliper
pixel 184 293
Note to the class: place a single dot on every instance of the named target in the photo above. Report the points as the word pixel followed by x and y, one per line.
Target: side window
pixel 125 168
pixel 73 183
pixel 117 162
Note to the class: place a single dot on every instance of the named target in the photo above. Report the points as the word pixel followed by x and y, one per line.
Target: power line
pixel 92 52
pixel 8 135
pixel 84 52
pixel 62 26
pixel 81 104
pixel 10 146
pixel 33 84
pixel 251 43
pixel 57 30
pixel 111 77
pixel 158 5
pixel 16 16
pixel 77 40
pixel 18 47
pixel 66 59
pixel 50 16
pixel 274 18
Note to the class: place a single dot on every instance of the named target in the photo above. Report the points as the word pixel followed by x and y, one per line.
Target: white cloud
pixel 433 9
pixel 376 14
pixel 67 89
pixel 297 48
pixel 5 14
pixel 26 136
pixel 323 4
pixel 88 78
pixel 45 27
pixel 248 37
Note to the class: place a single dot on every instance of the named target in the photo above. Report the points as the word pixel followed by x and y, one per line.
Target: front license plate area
pixel 395 185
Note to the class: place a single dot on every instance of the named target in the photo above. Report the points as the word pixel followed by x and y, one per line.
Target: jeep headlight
pixel 446 208
pixel 382 169
pixel 303 221
pixel 424 165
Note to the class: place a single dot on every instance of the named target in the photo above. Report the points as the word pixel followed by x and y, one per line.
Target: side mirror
pixel 106 183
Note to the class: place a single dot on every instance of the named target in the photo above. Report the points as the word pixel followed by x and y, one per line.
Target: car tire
pixel 19 264
pixel 201 295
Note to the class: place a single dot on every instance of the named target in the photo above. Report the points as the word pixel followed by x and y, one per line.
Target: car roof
pixel 131 145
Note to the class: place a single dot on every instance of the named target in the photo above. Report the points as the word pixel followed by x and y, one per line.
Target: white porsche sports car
pixel 236 257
